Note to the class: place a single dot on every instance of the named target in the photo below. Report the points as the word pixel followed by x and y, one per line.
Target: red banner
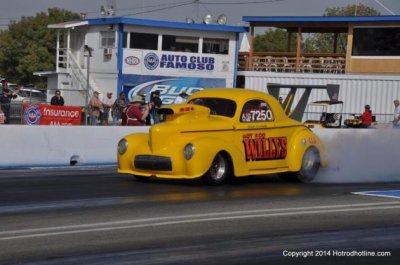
pixel 42 114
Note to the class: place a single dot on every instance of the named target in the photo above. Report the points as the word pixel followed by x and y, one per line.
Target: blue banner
pixel 169 86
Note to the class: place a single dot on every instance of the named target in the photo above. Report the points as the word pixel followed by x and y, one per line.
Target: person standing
pixel 5 103
pixel 57 99
pixel 366 117
pixel 107 103
pixel 133 115
pixel 95 106
pixel 156 104
pixel 396 114
pixel 181 98
pixel 118 108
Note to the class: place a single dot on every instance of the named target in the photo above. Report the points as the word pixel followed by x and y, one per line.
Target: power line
pixel 171 5
pixel 160 9
pixel 144 7
pixel 240 3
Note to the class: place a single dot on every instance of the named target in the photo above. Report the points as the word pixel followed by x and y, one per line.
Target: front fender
pixel 136 143
pixel 206 150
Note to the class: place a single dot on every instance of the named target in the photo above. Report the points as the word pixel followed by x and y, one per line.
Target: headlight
pixel 188 152
pixel 122 146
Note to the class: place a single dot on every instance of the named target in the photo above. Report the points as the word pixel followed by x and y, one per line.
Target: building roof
pixel 149 23
pixel 68 24
pixel 323 19
pixel 317 24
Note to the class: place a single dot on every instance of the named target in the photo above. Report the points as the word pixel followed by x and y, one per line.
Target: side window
pixel 180 43
pixel 215 46
pixel 125 40
pixel 256 111
pixel 107 39
pixel 143 41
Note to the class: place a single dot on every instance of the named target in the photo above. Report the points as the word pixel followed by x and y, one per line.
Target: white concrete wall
pixel 34 146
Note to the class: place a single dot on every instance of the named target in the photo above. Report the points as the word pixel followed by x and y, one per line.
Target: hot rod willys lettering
pixel 223 133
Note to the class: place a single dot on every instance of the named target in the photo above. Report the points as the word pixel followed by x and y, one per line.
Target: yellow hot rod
pixel 223 133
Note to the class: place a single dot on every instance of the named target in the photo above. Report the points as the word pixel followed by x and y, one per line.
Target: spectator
pixel 396 115
pixel 57 99
pixel 366 117
pixel 1 116
pixel 5 102
pixel 107 103
pixel 95 106
pixel 156 104
pixel 118 108
pixel 181 98
pixel 133 116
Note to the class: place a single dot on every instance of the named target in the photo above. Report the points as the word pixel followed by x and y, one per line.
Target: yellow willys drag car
pixel 223 133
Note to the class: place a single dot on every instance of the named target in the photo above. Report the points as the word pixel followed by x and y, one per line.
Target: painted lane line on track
pixel 186 219
pixel 380 193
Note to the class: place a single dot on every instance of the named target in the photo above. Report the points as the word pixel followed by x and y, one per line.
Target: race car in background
pixel 223 133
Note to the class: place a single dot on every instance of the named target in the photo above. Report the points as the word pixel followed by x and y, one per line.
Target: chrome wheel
pixel 219 170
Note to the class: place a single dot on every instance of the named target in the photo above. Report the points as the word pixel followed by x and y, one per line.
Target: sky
pixel 179 10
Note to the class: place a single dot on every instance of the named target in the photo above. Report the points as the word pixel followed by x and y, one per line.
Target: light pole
pixel 88 53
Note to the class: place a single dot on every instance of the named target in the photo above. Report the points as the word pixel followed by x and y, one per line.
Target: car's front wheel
pixel 309 168
pixel 219 171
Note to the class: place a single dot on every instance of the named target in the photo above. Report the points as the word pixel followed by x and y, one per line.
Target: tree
pixel 28 46
pixel 273 40
pixel 351 10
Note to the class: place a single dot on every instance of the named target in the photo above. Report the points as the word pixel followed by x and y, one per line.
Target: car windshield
pixel 31 93
pixel 218 106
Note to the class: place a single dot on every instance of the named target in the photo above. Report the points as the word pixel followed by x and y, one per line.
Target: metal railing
pixel 288 62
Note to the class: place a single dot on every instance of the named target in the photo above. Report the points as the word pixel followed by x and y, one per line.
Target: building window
pixel 143 41
pixel 107 39
pixel 125 40
pixel 180 43
pixel 215 46
pixel 376 42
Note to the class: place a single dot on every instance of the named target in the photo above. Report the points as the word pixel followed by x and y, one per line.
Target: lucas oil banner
pixel 42 114
pixel 169 86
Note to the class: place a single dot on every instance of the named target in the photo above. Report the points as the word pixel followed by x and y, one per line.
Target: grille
pixel 150 162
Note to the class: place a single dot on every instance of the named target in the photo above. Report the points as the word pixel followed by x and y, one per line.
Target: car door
pixel 262 142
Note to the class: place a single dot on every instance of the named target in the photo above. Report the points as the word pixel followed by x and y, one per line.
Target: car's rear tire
pixel 219 171
pixel 309 168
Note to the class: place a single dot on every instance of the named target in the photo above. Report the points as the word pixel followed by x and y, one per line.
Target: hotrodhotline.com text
pixel 335 253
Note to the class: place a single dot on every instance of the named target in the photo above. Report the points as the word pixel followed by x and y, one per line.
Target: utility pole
pixel 88 54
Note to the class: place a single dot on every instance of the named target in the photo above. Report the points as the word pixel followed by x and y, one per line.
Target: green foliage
pixel 351 10
pixel 29 46
pixel 274 41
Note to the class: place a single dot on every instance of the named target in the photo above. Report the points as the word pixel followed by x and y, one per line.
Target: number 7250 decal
pixel 258 115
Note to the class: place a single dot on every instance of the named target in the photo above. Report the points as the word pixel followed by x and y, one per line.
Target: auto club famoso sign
pixel 41 114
